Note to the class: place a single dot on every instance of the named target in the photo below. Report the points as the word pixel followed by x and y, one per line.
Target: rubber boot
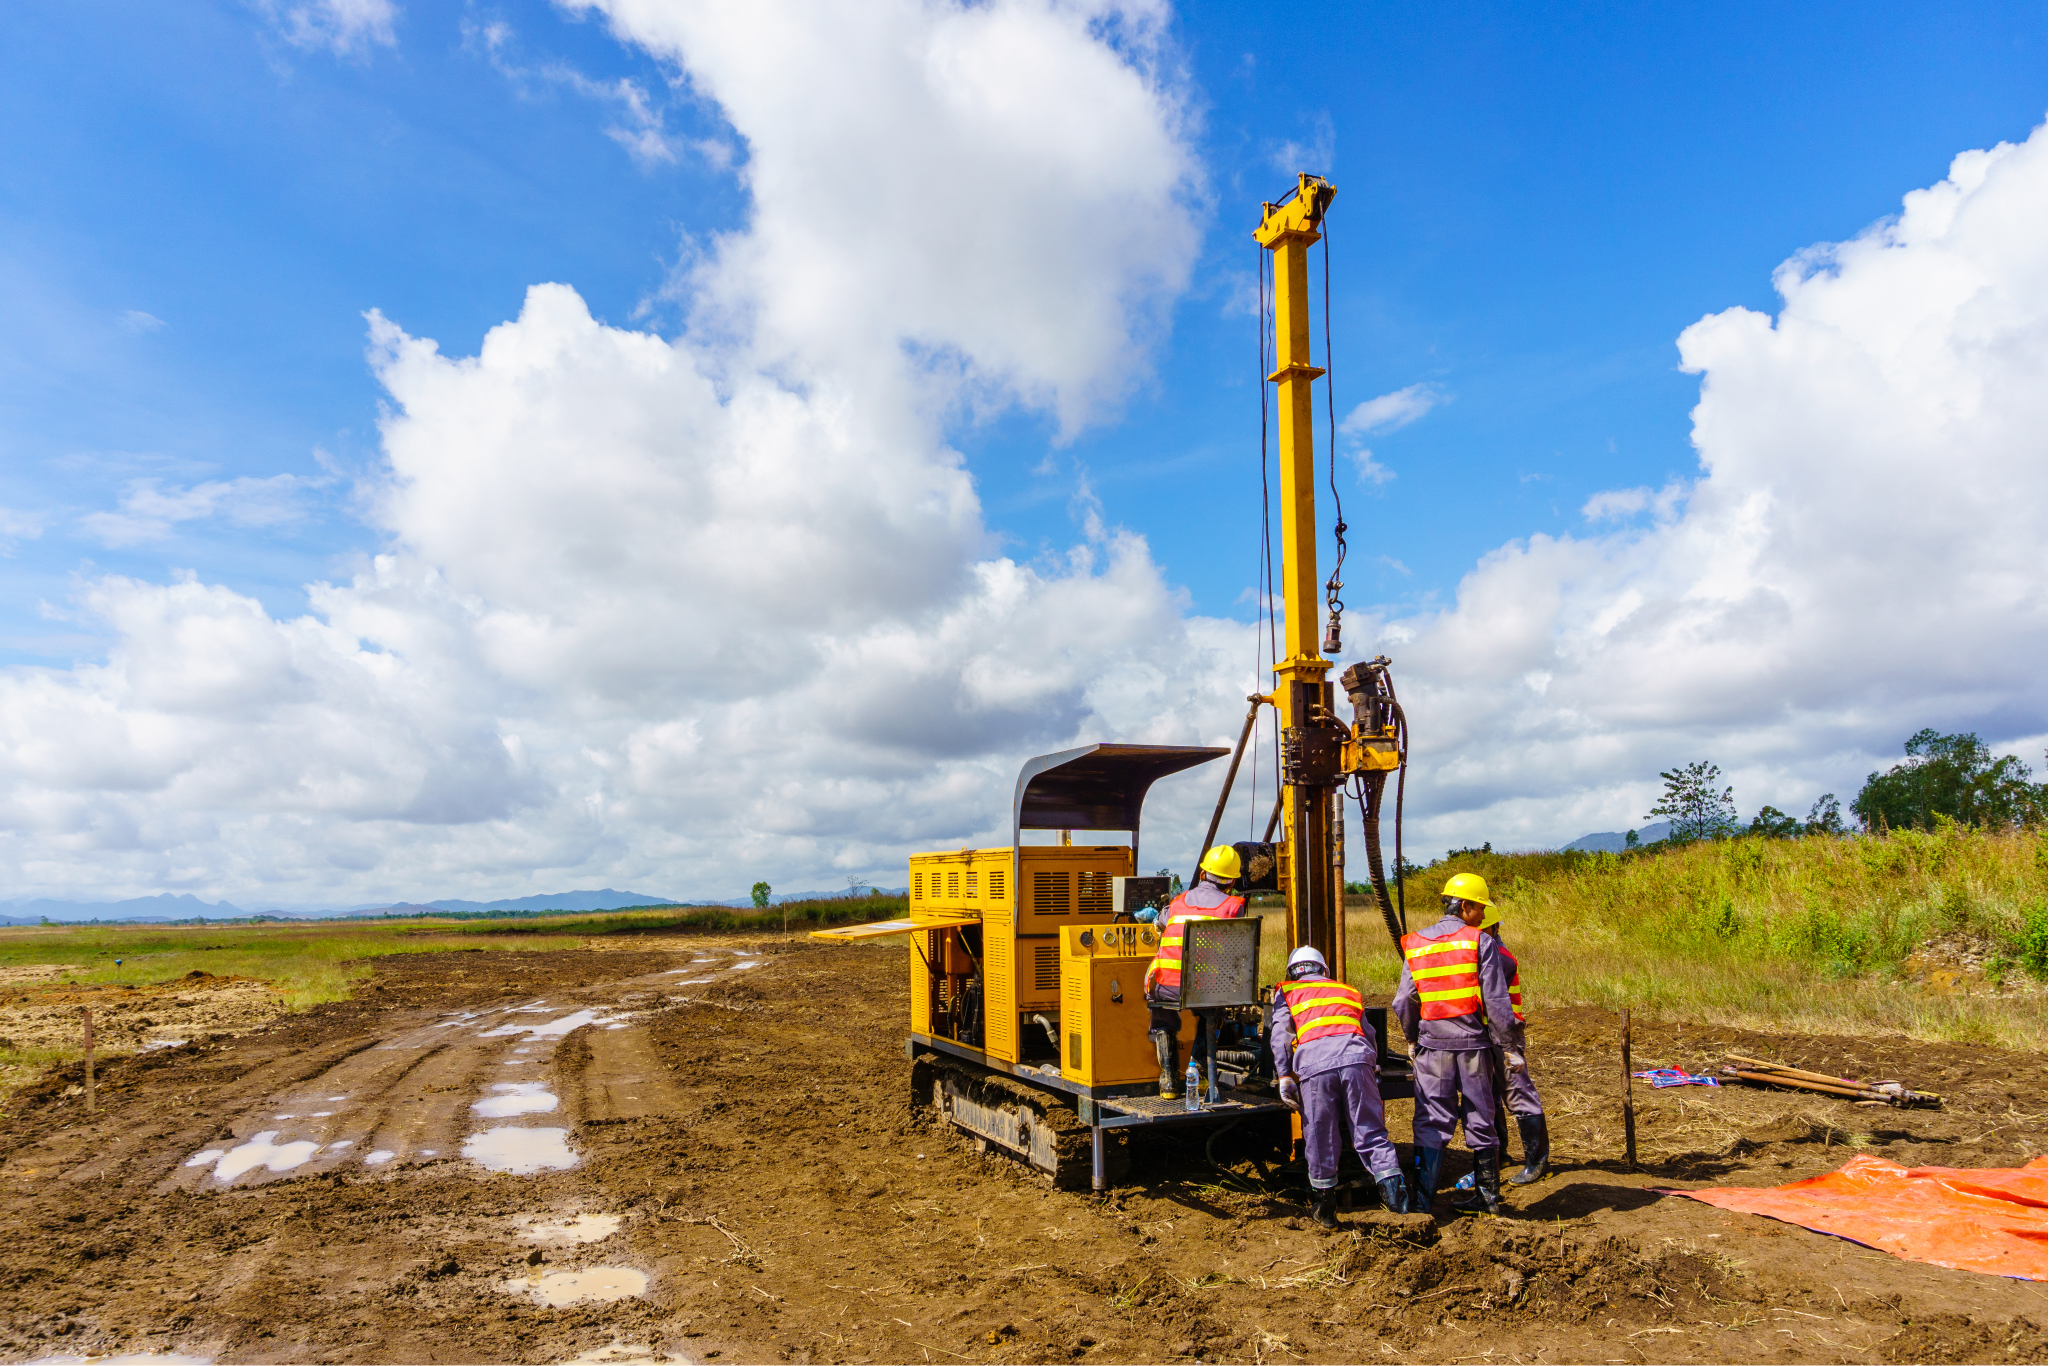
pixel 1429 1165
pixel 1486 1194
pixel 1168 1047
pixel 1394 1193
pixel 1536 1150
pixel 1325 1212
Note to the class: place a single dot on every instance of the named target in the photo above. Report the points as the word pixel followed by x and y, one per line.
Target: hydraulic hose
pixel 1375 785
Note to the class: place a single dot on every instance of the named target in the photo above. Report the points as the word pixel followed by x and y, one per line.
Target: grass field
pixel 321 960
pixel 1812 935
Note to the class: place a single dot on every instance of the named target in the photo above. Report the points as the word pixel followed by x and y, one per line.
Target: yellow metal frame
pixel 1022 898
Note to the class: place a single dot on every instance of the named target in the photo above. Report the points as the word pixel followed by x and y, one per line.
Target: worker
pixel 1210 898
pixel 1523 1101
pixel 1453 1005
pixel 1330 1072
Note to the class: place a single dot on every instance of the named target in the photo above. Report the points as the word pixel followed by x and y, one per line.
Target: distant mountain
pixel 605 899
pixel 163 906
pixel 1612 841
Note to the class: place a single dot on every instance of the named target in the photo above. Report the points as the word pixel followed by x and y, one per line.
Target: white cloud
pixel 1371 471
pixel 640 131
pixel 1862 554
pixel 1391 412
pixel 139 322
pixel 149 508
pixel 344 27
pixel 675 614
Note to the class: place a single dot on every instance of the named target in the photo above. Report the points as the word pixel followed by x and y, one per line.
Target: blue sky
pixel 202 205
pixel 1533 202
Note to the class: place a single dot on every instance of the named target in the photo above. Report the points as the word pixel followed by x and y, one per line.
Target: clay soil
pixel 752 1133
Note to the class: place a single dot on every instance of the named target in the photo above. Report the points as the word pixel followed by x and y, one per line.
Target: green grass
pixel 315 961
pixel 1804 935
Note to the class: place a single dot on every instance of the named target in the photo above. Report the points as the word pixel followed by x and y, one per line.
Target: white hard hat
pixel 1305 954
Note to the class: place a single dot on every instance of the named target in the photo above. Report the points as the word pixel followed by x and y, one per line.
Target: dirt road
pixel 703 1150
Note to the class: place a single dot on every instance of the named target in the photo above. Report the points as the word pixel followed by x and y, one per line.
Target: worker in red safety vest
pixel 1211 899
pixel 1453 1004
pixel 1523 1101
pixel 1330 1072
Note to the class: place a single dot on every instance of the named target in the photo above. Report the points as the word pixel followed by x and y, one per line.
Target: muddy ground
pixel 729 1119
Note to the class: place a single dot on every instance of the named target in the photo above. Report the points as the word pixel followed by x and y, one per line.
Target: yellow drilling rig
pixel 1028 1026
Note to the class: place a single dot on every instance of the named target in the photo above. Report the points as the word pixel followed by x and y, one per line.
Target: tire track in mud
pixel 231 1197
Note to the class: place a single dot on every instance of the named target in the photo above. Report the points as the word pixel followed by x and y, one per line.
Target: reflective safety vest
pixel 1323 1009
pixel 1515 983
pixel 1446 973
pixel 1163 978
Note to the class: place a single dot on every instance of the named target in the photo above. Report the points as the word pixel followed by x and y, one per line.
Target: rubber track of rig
pixel 1070 1136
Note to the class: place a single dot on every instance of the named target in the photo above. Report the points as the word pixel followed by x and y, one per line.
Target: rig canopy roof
pixel 1097 787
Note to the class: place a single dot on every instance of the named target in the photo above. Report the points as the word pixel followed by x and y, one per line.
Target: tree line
pixel 1944 778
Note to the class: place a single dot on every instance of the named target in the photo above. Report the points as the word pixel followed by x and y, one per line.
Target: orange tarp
pixel 1993 1219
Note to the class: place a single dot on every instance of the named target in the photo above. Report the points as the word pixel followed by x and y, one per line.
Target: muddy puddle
pixel 579 1228
pixel 598 1284
pixel 520 1151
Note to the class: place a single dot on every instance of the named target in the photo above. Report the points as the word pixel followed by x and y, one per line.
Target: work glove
pixel 1291 1093
pixel 1145 914
pixel 1516 1065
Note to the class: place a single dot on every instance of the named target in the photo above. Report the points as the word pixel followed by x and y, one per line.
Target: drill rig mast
pixel 1319 753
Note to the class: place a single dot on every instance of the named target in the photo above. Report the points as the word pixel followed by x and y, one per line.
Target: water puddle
pixel 260 1151
pixel 600 1283
pixel 581 1228
pixel 554 1029
pixel 622 1354
pixel 379 1158
pixel 522 1152
pixel 738 967
pixel 515 1098
pixel 147 1045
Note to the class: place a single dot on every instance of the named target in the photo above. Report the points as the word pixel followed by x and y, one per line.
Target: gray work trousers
pixel 1340 1099
pixel 1522 1092
pixel 1450 1088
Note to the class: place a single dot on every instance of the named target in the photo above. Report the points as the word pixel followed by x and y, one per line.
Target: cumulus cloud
pixel 674 613
pixel 1861 555
pixel 343 27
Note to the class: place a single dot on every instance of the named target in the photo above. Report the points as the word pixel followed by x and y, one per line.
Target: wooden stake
pixel 87 1012
pixel 1628 1100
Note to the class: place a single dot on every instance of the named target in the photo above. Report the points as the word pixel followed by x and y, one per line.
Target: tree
pixel 761 891
pixel 1697 811
pixel 1630 839
pixel 1775 824
pixel 1954 776
pixel 1825 817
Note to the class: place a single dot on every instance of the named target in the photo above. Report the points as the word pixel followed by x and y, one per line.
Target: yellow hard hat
pixel 1492 918
pixel 1468 887
pixel 1223 861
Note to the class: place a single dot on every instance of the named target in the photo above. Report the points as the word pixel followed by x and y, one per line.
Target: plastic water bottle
pixel 1191 1087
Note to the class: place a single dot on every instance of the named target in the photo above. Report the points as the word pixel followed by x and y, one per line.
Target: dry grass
pixel 1810 935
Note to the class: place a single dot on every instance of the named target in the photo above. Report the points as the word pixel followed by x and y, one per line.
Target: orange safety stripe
pixel 1446 973
pixel 1323 1009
